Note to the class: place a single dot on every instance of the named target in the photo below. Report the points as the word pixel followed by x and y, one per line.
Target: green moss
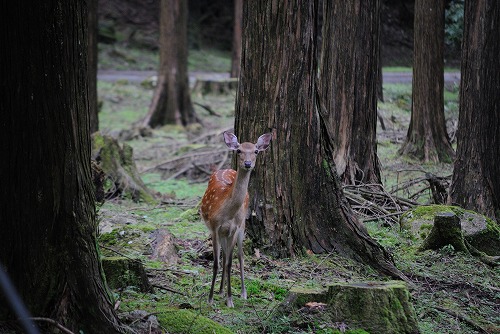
pixel 185 321
pixel 109 238
pixel 428 212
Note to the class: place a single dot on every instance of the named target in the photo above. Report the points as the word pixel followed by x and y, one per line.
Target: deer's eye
pixel 238 151
pixel 256 151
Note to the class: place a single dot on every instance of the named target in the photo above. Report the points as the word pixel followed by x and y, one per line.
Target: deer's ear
pixel 231 140
pixel 264 141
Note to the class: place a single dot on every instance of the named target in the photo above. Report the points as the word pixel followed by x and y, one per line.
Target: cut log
pixel 215 86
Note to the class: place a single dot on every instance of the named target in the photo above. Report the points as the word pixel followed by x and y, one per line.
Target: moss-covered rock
pixel 186 322
pixel 378 307
pixel 122 272
pixel 478 230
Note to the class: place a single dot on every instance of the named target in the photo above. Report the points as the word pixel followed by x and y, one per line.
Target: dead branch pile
pixel 195 161
pixel 373 202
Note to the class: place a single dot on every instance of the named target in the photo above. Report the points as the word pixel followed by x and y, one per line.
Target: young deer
pixel 224 208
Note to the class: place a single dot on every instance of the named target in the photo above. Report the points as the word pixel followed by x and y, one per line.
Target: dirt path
pixel 138 76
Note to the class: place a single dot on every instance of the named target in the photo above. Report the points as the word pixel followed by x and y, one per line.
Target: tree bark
pixel 475 182
pixel 297 203
pixel 427 139
pixel 48 241
pixel 92 66
pixel 349 75
pixel 171 102
pixel 236 57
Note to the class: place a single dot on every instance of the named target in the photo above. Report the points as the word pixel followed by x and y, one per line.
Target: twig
pixel 168 289
pixel 207 108
pixel 53 322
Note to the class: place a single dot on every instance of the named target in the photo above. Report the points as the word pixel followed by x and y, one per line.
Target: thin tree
pixel 171 102
pixel 427 139
pixel 236 56
pixel 349 77
pixel 48 241
pixel 476 183
pixel 296 201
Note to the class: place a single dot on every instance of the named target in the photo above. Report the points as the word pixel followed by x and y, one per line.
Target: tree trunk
pixel 349 77
pixel 236 57
pixel 92 66
pixel 171 102
pixel 297 203
pixel 427 139
pixel 475 182
pixel 48 241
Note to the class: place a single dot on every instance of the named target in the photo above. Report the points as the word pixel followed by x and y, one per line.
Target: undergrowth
pixel 448 287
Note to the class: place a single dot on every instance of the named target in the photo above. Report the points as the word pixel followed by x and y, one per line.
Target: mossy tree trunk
pixel 297 202
pixel 427 139
pixel 171 102
pixel 475 182
pixel 349 72
pixel 48 222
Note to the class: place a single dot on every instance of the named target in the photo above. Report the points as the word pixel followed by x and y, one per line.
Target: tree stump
pixel 215 86
pixel 446 231
pixel 118 164
pixel 122 272
pixel 377 307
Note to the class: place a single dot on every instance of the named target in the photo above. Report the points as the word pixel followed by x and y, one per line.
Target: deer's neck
pixel 240 189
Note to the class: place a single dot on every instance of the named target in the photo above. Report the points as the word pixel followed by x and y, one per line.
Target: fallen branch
pixel 53 322
pixel 463 318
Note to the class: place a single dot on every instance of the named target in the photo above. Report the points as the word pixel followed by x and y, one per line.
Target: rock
pixel 122 272
pixel 478 230
pixel 164 248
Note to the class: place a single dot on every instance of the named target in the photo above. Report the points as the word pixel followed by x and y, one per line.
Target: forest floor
pixel 452 293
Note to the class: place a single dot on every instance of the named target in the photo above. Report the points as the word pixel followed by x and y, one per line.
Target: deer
pixel 224 209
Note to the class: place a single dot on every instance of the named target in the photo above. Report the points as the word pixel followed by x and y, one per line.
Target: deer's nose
pixel 248 164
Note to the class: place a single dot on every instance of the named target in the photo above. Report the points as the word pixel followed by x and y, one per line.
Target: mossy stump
pixel 122 272
pixel 118 164
pixel 445 231
pixel 377 307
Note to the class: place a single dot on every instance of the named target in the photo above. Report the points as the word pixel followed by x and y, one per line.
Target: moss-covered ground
pixel 452 293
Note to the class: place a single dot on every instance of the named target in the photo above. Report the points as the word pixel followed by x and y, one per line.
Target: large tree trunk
pixel 236 57
pixel 297 202
pixel 476 182
pixel 348 79
pixel 47 215
pixel 427 139
pixel 171 102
